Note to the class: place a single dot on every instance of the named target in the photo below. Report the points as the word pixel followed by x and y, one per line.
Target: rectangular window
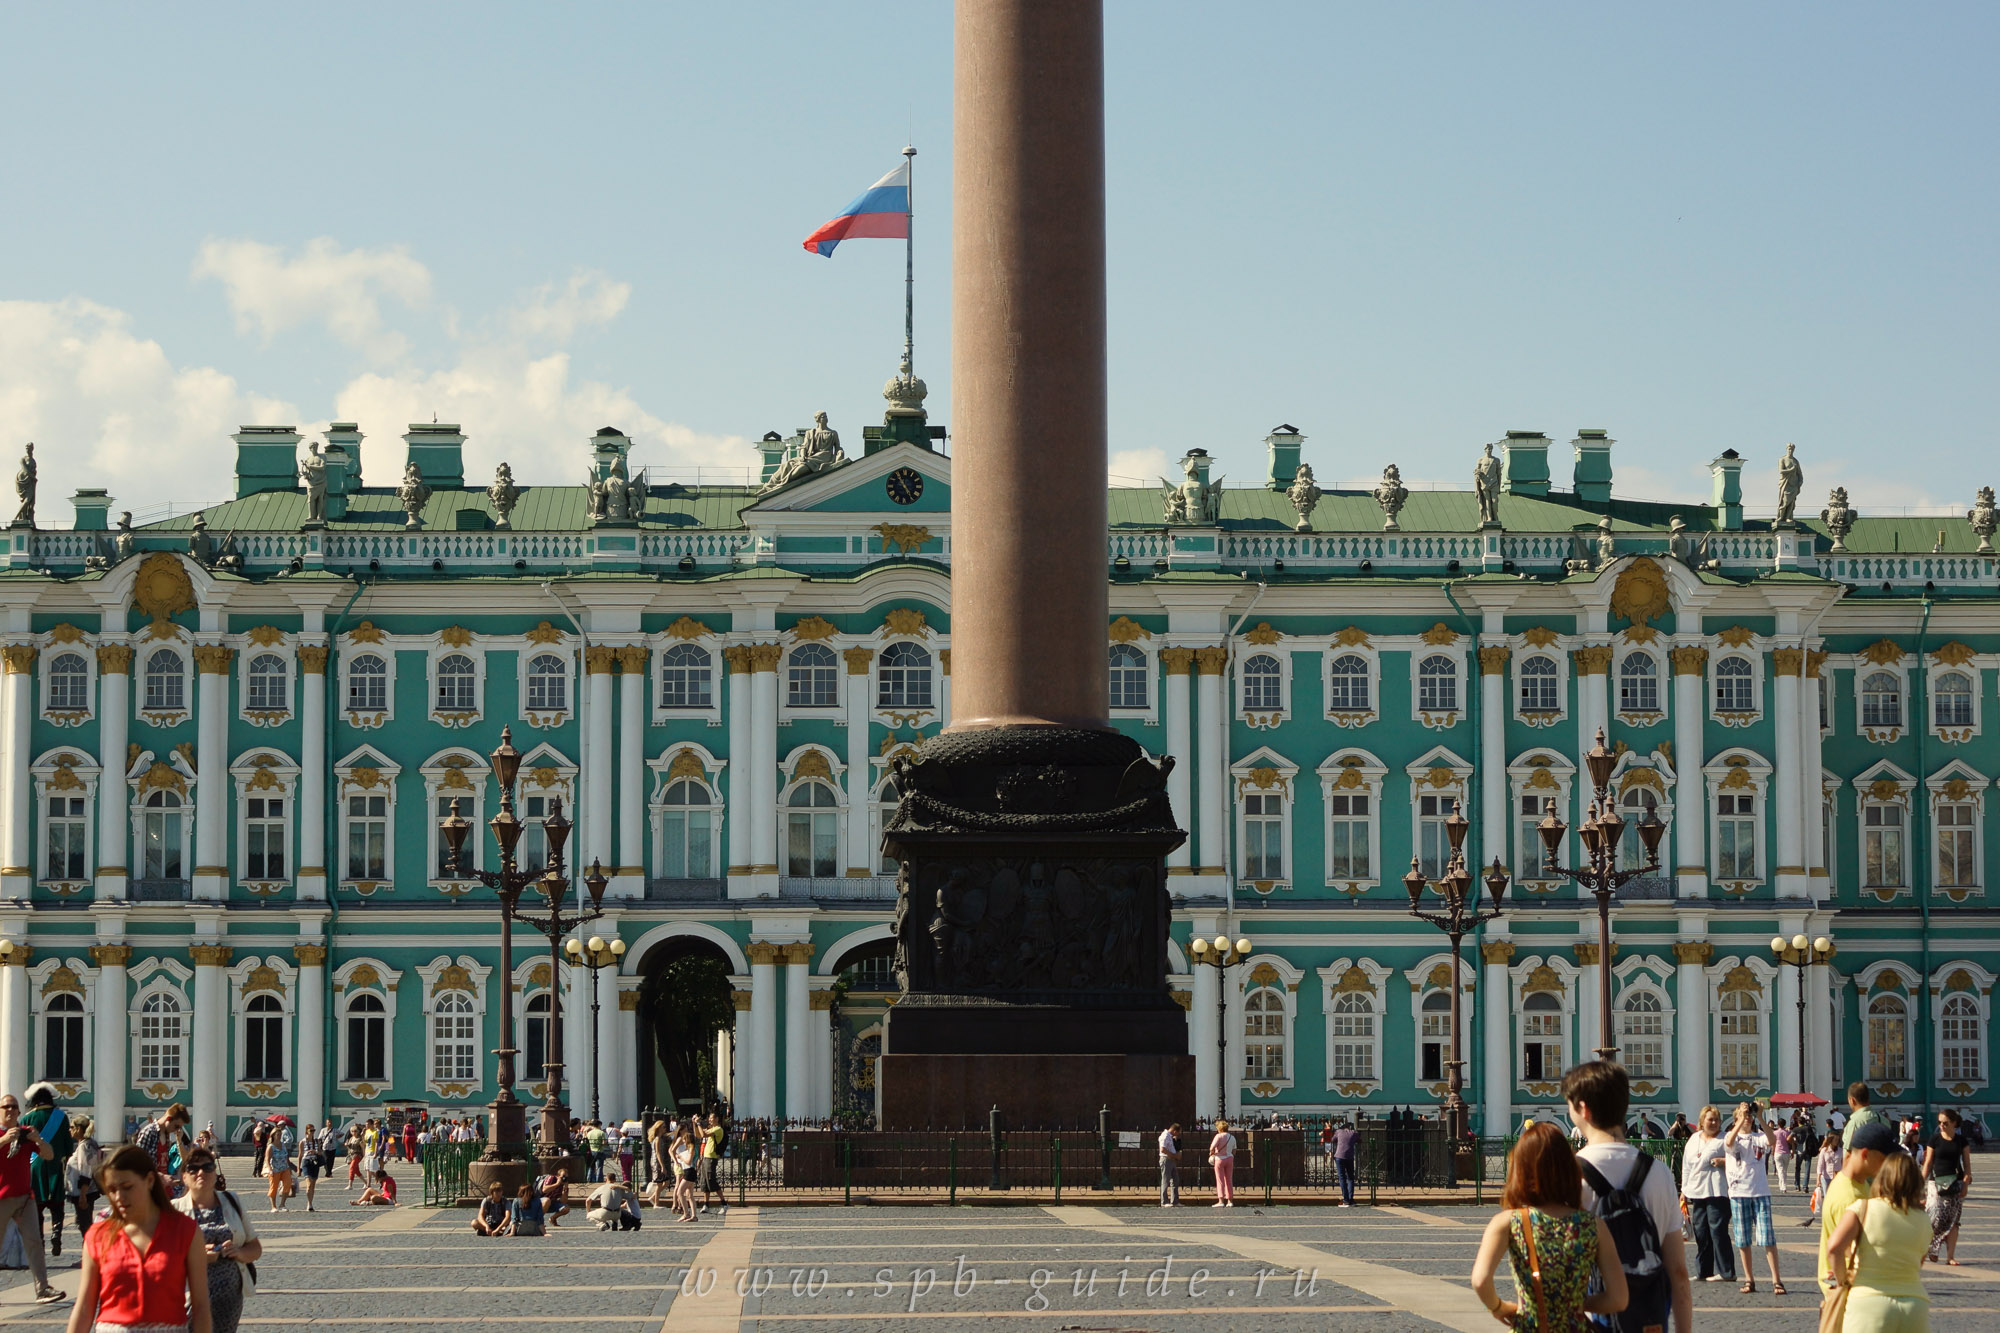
pixel 454 1054
pixel 1882 846
pixel 532 851
pixel 367 837
pixel 264 1048
pixel 367 1048
pixel 685 844
pixel 1542 1051
pixel 444 851
pixel 1263 837
pixel 1532 860
pixel 1957 868
pixel 1347 846
pixel 62 1040
pixel 1735 837
pixel 1436 1046
pixel 264 838
pixel 66 828
pixel 1433 843
pixel 1739 1032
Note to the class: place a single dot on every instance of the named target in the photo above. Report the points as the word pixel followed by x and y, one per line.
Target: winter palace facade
pixel 226 741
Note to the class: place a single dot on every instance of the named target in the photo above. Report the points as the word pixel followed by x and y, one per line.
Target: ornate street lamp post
pixel 594 955
pixel 1600 833
pixel 1461 916
pixel 1221 956
pixel 1801 954
pixel 511 884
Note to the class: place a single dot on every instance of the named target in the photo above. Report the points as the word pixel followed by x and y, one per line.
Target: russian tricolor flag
pixel 881 213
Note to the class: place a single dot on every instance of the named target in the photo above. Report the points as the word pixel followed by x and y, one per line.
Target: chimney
pixel 1284 443
pixel 343 466
pixel 1593 466
pixel 1524 463
pixel 608 446
pixel 93 509
pixel 772 447
pixel 435 448
pixel 267 459
pixel 1728 498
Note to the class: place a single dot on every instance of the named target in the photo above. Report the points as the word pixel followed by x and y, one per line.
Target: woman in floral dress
pixel 226 1231
pixel 1553 1247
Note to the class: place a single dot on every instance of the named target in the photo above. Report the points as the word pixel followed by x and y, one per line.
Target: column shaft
pixel 114 716
pixel 1690 797
pixel 1493 659
pixel 312 853
pixel 576 1037
pixel 1495 1014
pixel 107 1068
pixel 631 877
pixel 1812 795
pixel 798 1039
pixel 309 1041
pixel 1819 1030
pixel 1789 1075
pixel 763 759
pixel 1201 1037
pixel 16 1023
pixel 17 691
pixel 208 1043
pixel 1790 874
pixel 1691 1080
pixel 763 1052
pixel 211 792
pixel 598 798
pixel 1211 792
pixel 611 1076
pixel 1178 664
pixel 741 783
pixel 862 856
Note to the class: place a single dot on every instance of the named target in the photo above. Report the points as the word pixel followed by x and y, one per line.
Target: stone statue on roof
pixel 1486 485
pixel 1791 477
pixel 1195 502
pixel 125 543
pixel 1839 519
pixel 200 545
pixel 1607 543
pixel 817 451
pixel 1390 494
pixel 1984 518
pixel 1304 495
pixel 414 494
pixel 503 493
pixel 312 472
pixel 24 486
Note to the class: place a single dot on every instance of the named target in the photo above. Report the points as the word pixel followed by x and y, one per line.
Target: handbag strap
pixel 1534 1267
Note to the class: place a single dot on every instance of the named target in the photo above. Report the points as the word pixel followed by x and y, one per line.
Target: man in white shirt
pixel 1170 1166
pixel 1748 1151
pixel 1599 1094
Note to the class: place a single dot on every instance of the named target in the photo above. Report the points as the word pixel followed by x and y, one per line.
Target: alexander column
pixel 1033 910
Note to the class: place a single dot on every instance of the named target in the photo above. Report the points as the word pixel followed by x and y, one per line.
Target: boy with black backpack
pixel 1636 1198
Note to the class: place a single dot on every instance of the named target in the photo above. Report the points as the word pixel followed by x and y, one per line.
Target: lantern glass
pixel 506 761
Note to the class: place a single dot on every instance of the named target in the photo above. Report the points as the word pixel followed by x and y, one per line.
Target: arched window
pixel 1129 677
pixel 160 1036
pixel 1888 1039
pixel 454 1039
pixel 368 684
pixel 687 831
pixel 62 1037
pixel 1881 700
pixel 166 683
pixel 1632 808
pixel 812 832
pixel 1263 1034
pixel 1437 685
pixel 1642 1034
pixel 1954 700
pixel 367 1039
pixel 1347 684
pixel 160 835
pixel 456 682
pixel 535 1039
pixel 1354 1037
pixel 1882 844
pixel 1542 1038
pixel 264 1039
pixel 69 683
pixel 1963 1043
pixel 811 677
pixel 1740 1034
pixel 1538 685
pixel 686 678
pixel 548 683
pixel 1263 685
pixel 270 679
pixel 1435 1034
pixel 1735 686
pixel 905 677
pixel 1638 684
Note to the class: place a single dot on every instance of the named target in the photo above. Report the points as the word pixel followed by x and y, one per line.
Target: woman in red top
pixel 144 1267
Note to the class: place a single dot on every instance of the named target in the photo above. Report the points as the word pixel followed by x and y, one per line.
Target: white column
pixel 819 1031
pixel 628 1052
pixel 611 1076
pixel 1591 665
pixel 576 1036
pixel 1494 822
pixel 630 881
pixel 1786 666
pixel 1212 851
pixel 312 855
pixel 114 716
pixel 15 1020
pixel 732 1076
pixel 107 1067
pixel 1812 794
pixel 798 1031
pixel 17 689
pixel 1587 1013
pixel 1178 662
pixel 762 1056
pixel 309 1042
pixel 208 1042
pixel 1819 1030
pixel 862 857
pixel 1789 1075
pixel 211 792
pixel 1201 1038
pixel 944 698
pixel 1690 661
pixel 1232 1058
pixel 1691 1024
pixel 1496 1007
pixel 741 782
pixel 597 795
pixel 763 763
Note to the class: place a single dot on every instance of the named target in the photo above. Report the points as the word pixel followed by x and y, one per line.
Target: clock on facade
pixel 905 485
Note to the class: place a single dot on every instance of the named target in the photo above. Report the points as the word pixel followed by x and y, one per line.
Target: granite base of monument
pixel 1035 1091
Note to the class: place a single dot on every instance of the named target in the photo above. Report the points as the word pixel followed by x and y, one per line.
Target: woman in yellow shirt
pixel 1888 1233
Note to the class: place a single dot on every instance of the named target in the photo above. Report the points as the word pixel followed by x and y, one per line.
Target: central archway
pixel 687 1019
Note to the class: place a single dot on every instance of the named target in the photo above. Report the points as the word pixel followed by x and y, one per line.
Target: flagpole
pixel 909 256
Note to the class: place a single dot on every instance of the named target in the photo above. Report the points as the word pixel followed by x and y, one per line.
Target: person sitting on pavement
pixel 491 1219
pixel 612 1205
pixel 525 1215
pixel 380 1192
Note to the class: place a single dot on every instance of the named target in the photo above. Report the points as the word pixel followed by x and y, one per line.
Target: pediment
pixel 859 486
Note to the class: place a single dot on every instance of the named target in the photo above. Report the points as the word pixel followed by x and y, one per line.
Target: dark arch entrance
pixel 866 986
pixel 684 1000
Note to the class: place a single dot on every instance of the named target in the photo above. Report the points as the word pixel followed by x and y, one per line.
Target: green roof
pixel 539 509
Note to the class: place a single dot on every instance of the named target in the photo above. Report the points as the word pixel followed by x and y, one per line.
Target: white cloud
pixel 551 312
pixel 271 292
pixel 1143 467
pixel 109 408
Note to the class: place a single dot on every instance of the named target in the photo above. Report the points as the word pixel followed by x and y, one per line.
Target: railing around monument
pixel 447 1167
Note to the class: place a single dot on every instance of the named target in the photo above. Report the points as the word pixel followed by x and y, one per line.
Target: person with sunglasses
pixel 231 1242
pixel 20 1145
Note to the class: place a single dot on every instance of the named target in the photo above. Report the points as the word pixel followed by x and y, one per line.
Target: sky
pixel 1405 229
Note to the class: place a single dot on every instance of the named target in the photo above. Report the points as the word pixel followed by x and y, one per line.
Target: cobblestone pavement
pixel 1072 1267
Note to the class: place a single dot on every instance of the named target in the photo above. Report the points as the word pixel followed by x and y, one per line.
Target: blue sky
pixel 1405 229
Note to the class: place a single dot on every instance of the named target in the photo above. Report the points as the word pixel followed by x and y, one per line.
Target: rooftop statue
pixel 414 494
pixel 503 493
pixel 1791 477
pixel 1390 494
pixel 200 545
pixel 24 486
pixel 312 472
pixel 125 543
pixel 817 451
pixel 616 498
pixel 1607 543
pixel 1304 495
pixel 1839 519
pixel 1486 484
pixel 1194 501
pixel 1984 518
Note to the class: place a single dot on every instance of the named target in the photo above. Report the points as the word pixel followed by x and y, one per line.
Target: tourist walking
pixel 1222 1160
pixel 1551 1244
pixel 1872 1143
pixel 312 1161
pixel 146 1265
pixel 1705 1186
pixel 1633 1195
pixel 278 1146
pixel 260 1137
pixel 1876 1252
pixel 1170 1165
pixel 685 1155
pixel 45 1174
pixel 356 1150
pixel 1861 1112
pixel 491 1219
pixel 1344 1140
pixel 525 1216
pixel 1825 1167
pixel 19 1146
pixel 80 1172
pixel 1781 1155
pixel 1749 1160
pixel 162 1137
pixel 712 1138
pixel 1948 1169
pixel 231 1242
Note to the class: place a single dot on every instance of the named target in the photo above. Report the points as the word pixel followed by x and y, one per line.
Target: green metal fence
pixel 446 1172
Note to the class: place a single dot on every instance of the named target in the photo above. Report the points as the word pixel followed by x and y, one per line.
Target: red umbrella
pixel 279 1120
pixel 1798 1099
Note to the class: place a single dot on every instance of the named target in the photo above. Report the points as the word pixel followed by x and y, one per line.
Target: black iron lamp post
pixel 1600 833
pixel 1801 954
pixel 595 955
pixel 1220 955
pixel 1460 916
pixel 512 883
